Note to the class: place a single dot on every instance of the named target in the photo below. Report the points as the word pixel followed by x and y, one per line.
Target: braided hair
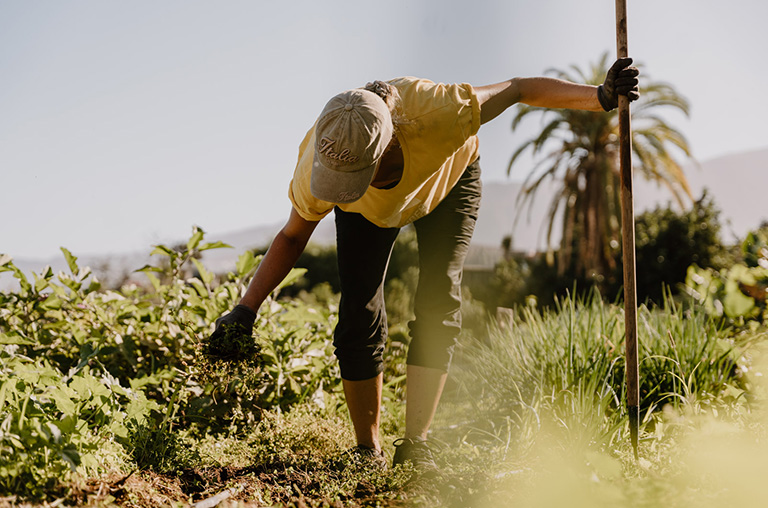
pixel 391 98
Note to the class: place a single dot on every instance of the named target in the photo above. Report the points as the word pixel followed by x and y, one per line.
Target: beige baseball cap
pixel 351 135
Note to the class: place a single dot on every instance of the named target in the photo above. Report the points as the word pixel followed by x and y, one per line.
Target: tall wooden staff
pixel 628 239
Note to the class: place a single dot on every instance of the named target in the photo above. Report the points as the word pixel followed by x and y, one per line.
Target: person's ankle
pixel 372 445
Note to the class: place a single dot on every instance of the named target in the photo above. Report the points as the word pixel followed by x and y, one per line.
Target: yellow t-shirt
pixel 439 141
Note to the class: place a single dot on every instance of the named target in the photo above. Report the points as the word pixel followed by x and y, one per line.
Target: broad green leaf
pixel 294 275
pixel 84 273
pixel 71 457
pixel 95 285
pixel 246 263
pixel 52 302
pixel 268 356
pixel 70 282
pixel 60 291
pixel 194 241
pixel 90 462
pixel 53 432
pixel 733 391
pixel 79 385
pixel 88 386
pixel 205 275
pixel 19 275
pixel 68 424
pixel 215 245
pixel 3 391
pixel 71 261
pixel 14 439
pixel 294 385
pixel 153 279
pixel 149 268
pixel 28 373
pixel 42 280
pixel 318 345
pixel 140 408
pixel 14 339
pixel 199 287
pixel 162 250
pixel 735 302
pixel 119 430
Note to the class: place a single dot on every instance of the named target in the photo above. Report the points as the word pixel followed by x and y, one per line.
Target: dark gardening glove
pixel 233 337
pixel 620 80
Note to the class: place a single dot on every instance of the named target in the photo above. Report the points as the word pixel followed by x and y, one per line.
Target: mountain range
pixel 736 182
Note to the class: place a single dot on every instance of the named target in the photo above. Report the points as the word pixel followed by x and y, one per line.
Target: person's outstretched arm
pixel 279 259
pixel 557 93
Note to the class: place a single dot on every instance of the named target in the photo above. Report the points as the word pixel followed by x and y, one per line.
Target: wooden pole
pixel 628 239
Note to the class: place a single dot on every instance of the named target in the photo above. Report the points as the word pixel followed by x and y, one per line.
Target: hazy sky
pixel 124 123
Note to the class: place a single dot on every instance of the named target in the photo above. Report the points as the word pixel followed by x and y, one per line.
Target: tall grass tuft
pixel 565 367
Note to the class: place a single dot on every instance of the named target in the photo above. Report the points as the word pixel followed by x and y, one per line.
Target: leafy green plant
pixel 297 354
pixel 83 365
pixel 53 424
pixel 738 293
pixel 668 242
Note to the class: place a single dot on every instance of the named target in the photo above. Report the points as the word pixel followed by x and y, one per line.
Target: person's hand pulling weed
pixel 233 337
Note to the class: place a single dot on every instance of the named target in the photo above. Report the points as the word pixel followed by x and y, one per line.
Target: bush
pixel 668 242
pixel 739 293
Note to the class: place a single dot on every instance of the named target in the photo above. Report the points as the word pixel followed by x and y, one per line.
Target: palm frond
pixel 517 154
pixel 580 150
pixel 523 110
pixel 529 190
pixel 546 134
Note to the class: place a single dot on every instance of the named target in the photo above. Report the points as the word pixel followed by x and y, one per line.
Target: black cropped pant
pixel 364 250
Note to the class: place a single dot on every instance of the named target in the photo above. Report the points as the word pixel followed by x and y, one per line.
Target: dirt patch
pixel 254 486
pixel 274 484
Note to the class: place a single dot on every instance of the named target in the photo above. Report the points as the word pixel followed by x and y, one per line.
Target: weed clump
pixel 229 360
pixel 234 344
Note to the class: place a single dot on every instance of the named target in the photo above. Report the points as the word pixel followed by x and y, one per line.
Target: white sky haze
pixel 122 124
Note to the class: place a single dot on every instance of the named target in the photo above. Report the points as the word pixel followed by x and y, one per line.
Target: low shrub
pixel 739 293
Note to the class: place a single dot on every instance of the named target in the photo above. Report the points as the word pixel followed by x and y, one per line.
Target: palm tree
pixel 579 150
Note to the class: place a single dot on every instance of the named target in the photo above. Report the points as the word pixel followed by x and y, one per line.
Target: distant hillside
pixel 737 182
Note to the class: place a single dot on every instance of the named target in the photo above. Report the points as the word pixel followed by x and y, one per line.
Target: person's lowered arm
pixel 279 259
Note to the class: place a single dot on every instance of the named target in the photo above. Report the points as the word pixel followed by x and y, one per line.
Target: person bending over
pixel 393 153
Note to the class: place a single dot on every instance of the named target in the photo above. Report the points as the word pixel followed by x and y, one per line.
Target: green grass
pixel 538 405
pixel 568 364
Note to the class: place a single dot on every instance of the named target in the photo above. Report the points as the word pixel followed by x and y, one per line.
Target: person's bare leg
pixel 364 403
pixel 424 386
